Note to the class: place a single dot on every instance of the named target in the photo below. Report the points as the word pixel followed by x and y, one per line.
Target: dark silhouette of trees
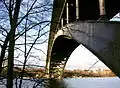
pixel 23 24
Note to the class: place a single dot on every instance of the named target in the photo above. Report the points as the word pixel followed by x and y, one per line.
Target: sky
pixel 82 58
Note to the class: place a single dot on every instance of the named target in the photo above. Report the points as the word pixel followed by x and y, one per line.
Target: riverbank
pixel 88 73
pixel 40 73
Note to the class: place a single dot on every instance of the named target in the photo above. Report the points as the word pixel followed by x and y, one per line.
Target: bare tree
pixel 22 20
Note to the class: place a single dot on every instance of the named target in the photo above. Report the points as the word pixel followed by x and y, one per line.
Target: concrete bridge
pixel 85 22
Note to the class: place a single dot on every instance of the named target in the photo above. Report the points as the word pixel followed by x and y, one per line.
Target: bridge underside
pixel 89 9
pixel 102 39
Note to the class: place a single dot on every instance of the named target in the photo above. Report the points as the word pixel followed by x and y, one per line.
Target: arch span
pixel 102 39
pixel 62 48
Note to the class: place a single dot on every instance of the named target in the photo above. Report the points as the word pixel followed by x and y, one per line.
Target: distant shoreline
pixel 76 73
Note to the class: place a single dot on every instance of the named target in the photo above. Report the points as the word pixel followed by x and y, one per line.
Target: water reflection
pixel 54 83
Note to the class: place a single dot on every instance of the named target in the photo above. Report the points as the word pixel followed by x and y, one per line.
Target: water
pixel 112 82
pixel 109 82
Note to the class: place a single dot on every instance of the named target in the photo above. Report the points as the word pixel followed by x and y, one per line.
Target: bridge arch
pixel 102 39
pixel 62 48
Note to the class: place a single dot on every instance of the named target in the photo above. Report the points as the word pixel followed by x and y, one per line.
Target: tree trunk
pixel 13 23
pixel 10 59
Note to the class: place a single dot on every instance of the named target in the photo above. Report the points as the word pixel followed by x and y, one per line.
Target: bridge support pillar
pixel 58 10
pixel 57 69
pixel 50 44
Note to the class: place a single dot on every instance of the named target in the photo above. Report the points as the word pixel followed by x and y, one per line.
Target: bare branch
pixel 4 29
pixel 27 13
pixel 31 43
pixel 31 28
pixel 10 12
pixel 3 1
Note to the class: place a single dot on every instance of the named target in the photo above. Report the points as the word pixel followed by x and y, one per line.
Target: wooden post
pixel 102 7
pixel 67 13
pixel 77 10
